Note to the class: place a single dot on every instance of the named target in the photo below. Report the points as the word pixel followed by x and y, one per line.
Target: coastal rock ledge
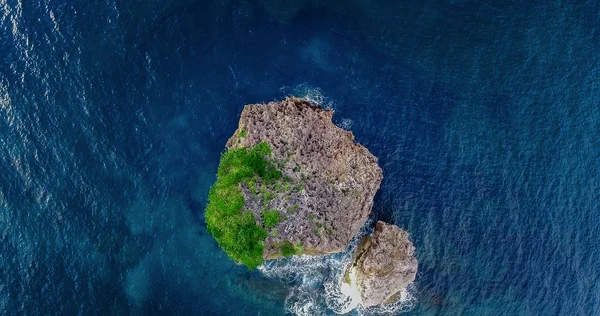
pixel 383 265
pixel 328 180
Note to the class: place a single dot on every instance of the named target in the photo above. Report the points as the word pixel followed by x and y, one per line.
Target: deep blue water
pixel 485 118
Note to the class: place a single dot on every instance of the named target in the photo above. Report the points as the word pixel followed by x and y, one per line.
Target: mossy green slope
pixel 233 227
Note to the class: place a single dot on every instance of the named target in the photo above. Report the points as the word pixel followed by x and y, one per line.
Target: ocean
pixel 485 117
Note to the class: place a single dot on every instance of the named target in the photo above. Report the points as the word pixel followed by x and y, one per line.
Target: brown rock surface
pixel 383 265
pixel 333 178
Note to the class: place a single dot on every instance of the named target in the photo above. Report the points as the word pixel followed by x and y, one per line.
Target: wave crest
pixel 318 287
pixel 309 93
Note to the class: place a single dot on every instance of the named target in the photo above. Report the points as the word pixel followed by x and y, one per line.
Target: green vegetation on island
pixel 288 249
pixel 270 218
pixel 233 227
pixel 306 189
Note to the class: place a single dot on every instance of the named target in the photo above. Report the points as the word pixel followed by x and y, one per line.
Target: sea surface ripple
pixel 485 117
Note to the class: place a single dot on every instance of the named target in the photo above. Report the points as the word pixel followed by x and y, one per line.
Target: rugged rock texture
pixel 332 179
pixel 383 265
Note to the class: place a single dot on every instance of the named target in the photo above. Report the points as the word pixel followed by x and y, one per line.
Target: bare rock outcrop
pixel 330 179
pixel 383 265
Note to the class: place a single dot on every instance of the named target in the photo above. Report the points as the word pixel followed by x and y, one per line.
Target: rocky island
pixel 383 265
pixel 291 182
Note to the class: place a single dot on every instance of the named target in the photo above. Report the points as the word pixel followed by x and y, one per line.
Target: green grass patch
pixel 299 188
pixel 252 185
pixel 243 133
pixel 270 218
pixel 299 249
pixel 233 227
pixel 270 195
pixel 287 249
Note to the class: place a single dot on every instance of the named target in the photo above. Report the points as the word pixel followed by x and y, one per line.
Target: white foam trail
pixel 54 22
pixel 316 96
pixel 406 303
pixel 346 124
pixel 318 286
pixel 5 105
pixel 309 93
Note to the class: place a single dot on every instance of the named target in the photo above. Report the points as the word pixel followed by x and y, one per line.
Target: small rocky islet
pixel 291 182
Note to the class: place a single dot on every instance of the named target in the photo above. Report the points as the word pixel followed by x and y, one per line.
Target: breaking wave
pixel 318 287
pixel 316 96
pixel 309 93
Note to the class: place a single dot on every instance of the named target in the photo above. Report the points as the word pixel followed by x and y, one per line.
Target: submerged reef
pixel 291 182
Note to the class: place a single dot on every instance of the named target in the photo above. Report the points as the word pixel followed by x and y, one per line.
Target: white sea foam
pixel 5 105
pixel 315 96
pixel 54 22
pixel 346 124
pixel 309 93
pixel 318 286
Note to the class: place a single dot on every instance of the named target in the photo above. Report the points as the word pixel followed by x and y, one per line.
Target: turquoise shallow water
pixel 485 118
